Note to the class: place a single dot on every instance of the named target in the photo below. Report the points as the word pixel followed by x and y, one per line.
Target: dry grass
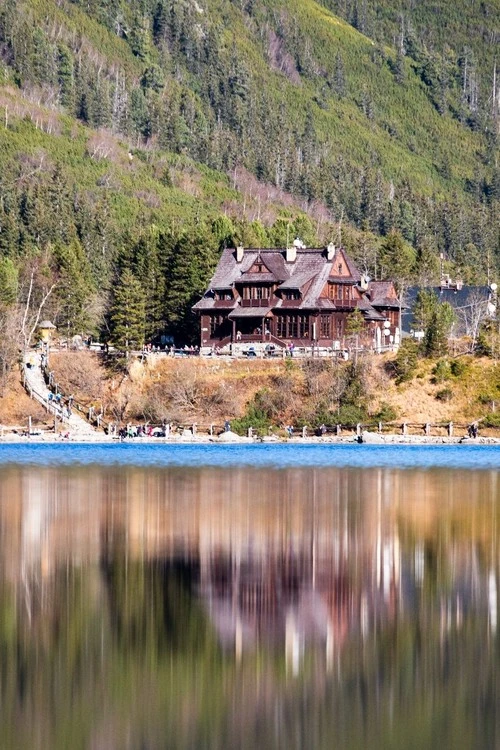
pixel 16 406
pixel 80 374
pixel 204 390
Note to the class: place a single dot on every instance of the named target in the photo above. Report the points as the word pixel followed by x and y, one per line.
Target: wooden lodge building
pixel 296 295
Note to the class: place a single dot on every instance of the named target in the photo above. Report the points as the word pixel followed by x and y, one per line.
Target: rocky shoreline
pixel 230 438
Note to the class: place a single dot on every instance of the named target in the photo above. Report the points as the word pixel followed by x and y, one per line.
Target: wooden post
pixel 427 428
pixel 193 429
pixel 380 427
pixel 250 432
pixel 211 430
pixel 450 429
pixel 404 428
pixel 167 429
pixel 338 429
pixel 358 430
pixel 304 432
pixel 29 425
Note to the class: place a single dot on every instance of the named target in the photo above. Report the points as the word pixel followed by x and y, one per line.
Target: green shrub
pixel 406 360
pixel 441 371
pixel 491 420
pixel 386 413
pixel 444 395
pixel 458 367
pixel 349 414
pixel 255 418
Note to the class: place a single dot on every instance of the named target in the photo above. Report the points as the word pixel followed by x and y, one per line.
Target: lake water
pixel 249 597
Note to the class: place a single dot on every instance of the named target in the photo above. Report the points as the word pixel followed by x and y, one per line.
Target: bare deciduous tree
pixel 472 315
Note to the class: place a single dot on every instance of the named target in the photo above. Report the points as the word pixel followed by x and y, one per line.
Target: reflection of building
pixel 316 556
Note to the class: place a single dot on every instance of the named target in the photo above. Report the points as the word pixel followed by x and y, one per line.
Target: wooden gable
pixel 340 267
pixel 259 267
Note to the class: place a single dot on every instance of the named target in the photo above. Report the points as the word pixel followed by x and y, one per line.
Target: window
pixel 303 326
pixel 292 326
pixel 325 328
pixel 331 291
pixel 291 294
pixel 256 292
pixel 216 321
pixel 339 325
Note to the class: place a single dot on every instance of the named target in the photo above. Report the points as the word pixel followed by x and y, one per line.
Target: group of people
pixel 472 430
pixel 65 406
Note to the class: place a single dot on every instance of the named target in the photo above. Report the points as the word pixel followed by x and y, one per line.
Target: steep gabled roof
pixel 309 273
pixel 382 294
pixel 369 312
pixel 297 280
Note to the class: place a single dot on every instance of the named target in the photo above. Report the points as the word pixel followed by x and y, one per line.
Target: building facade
pixel 296 295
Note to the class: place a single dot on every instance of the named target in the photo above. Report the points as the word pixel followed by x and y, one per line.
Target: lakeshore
pixel 230 438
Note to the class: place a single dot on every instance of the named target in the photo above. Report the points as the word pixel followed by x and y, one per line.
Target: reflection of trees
pixel 114 643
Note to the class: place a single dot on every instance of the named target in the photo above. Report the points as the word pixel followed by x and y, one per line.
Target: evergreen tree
pixel 74 290
pixel 192 263
pixel 338 83
pixel 9 280
pixel 128 313
pixel 396 258
pixel 435 342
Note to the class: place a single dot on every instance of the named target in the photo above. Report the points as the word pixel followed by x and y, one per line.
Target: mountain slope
pixel 120 112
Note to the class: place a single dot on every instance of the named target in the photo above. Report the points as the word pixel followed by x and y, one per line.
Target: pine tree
pixel 128 313
pixel 74 289
pixel 9 280
pixel 396 257
pixel 436 336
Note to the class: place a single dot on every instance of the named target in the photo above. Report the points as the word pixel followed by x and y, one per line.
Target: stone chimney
pixel 240 252
pixel 330 251
pixel 291 254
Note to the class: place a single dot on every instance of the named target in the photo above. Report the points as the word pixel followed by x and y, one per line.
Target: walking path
pixel 37 389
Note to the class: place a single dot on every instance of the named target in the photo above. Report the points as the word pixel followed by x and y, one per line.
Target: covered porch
pixel 250 324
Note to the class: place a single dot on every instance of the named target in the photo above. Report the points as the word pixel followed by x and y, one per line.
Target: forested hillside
pixel 140 136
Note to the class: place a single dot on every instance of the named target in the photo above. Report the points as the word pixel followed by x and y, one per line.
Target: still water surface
pixel 194 606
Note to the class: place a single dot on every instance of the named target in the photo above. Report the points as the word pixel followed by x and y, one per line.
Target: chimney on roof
pixel 330 251
pixel 240 252
pixel 291 254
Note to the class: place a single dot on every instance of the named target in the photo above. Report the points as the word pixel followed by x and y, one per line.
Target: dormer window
pixel 224 294
pixel 290 294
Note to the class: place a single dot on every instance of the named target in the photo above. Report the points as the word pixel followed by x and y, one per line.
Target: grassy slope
pixel 129 186
pixel 423 137
pixel 420 138
pixel 239 381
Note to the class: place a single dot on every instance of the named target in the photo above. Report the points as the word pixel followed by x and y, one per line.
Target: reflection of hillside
pixel 295 554
pixel 244 608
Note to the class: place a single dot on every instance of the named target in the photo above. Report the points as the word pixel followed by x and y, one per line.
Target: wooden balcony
pixel 345 304
pixel 255 302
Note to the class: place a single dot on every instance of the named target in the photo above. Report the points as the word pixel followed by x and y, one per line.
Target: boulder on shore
pixel 372 437
pixel 231 437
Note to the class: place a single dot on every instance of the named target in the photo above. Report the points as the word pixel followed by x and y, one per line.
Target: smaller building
pixel 46 330
pixel 295 296
pixel 472 305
